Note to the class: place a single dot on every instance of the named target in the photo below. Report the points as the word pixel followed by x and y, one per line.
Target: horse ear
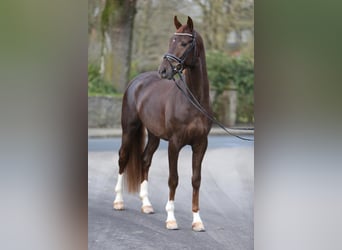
pixel 190 24
pixel 177 23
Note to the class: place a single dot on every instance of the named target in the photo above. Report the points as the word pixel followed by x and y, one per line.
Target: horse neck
pixel 197 81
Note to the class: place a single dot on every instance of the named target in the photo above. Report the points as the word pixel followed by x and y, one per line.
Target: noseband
pixel 180 66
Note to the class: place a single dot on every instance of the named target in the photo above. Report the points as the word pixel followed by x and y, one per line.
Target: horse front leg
pixel 197 157
pixel 173 152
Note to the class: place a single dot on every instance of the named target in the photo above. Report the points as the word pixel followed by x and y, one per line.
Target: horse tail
pixel 134 164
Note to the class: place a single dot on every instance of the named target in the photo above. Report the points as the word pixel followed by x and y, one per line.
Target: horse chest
pixel 188 129
pixel 196 128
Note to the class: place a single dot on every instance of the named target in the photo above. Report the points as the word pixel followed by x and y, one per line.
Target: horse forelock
pixel 183 29
pixel 199 41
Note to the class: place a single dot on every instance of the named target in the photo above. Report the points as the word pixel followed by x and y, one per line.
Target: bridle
pixel 181 61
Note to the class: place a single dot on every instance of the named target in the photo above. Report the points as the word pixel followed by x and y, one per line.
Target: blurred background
pixel 126 38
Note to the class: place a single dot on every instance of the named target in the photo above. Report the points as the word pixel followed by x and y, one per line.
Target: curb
pixel 116 132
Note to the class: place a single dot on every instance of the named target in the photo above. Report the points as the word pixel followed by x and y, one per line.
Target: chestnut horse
pixel 154 102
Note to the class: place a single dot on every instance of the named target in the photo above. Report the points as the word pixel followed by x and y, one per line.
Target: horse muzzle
pixel 165 71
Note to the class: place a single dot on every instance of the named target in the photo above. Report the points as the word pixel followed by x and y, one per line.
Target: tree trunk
pixel 117 27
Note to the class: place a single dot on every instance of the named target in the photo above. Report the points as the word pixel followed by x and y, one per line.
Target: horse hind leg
pixel 118 203
pixel 151 147
pixel 126 151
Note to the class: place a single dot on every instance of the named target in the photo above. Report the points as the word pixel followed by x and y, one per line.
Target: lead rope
pixel 199 107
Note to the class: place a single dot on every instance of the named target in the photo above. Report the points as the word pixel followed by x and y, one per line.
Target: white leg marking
pixel 171 222
pixel 118 202
pixel 146 204
pixel 197 224
pixel 196 217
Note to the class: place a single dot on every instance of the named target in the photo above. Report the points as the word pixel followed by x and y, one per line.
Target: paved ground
pixel 226 201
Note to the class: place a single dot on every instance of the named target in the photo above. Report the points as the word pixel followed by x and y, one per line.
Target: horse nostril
pixel 162 72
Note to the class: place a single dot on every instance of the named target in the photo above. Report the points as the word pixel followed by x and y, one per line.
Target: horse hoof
pixel 118 205
pixel 171 225
pixel 147 210
pixel 198 227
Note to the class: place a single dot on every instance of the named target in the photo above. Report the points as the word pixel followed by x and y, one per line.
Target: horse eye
pixel 183 44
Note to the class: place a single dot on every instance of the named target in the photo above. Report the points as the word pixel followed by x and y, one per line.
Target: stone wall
pixel 104 111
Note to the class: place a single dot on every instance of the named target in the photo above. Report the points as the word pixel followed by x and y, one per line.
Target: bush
pixel 96 84
pixel 220 71
pixel 226 72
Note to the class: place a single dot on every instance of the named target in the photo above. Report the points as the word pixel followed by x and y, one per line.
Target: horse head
pixel 182 50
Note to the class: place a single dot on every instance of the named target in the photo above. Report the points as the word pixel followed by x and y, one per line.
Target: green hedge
pixel 96 84
pixel 227 72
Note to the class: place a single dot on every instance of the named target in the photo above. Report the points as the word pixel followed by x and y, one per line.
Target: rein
pixel 192 99
pixel 178 69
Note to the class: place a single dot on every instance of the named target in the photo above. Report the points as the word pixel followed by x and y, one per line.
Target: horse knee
pixel 173 182
pixel 196 182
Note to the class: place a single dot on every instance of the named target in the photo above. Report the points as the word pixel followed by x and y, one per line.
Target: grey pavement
pixel 226 202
